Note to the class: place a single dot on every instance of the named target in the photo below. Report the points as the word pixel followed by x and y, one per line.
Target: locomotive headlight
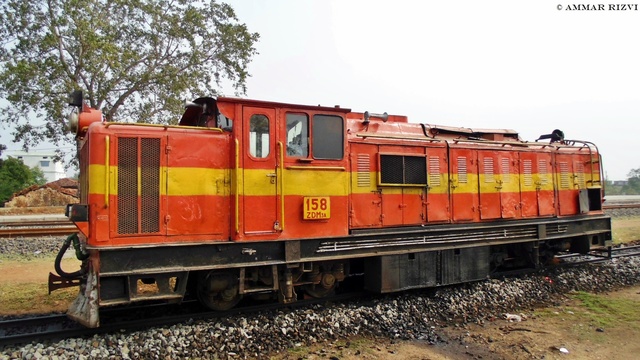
pixel 72 124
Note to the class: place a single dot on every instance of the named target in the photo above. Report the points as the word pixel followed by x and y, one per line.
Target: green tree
pixel 633 183
pixel 136 60
pixel 15 176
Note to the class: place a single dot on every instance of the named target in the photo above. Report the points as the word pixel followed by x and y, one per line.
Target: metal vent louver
pixel 434 171
pixel 526 172
pixel 364 167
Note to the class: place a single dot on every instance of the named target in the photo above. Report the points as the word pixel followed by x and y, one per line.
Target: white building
pixel 53 170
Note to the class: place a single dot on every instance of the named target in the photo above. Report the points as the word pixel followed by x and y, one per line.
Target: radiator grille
pixel 150 185
pixel 391 169
pixel 138 185
pixel 398 169
pixel 415 170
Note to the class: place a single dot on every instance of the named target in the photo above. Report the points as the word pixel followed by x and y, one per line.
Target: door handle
pixel 271 175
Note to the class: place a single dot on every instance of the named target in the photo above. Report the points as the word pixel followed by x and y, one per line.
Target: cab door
pixel 260 181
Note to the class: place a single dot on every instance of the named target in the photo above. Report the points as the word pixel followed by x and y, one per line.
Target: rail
pixel 10 229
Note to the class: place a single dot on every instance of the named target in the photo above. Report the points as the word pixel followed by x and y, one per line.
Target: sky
pixel 522 65
pixel 527 65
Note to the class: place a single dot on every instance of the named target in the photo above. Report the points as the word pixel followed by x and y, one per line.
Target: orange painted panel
pixel 205 215
pixel 366 210
pixel 529 203
pixel 464 184
pixel 489 184
pixel 438 207
pixel 546 202
pixel 413 206
pixel 392 207
pixel 295 227
pixel 529 183
pixel 566 185
pixel 366 200
pixel 510 186
pixel 490 205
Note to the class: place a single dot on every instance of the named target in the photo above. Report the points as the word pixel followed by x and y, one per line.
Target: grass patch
pixel 608 312
pixel 625 229
pixel 33 298
pixel 588 312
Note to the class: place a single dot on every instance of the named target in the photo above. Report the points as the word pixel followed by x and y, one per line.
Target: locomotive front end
pixel 142 187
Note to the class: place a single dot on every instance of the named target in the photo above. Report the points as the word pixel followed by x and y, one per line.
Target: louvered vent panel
pixel 127 185
pixel 488 170
pixel 506 170
pixel 527 172
pixel 364 168
pixel 434 171
pixel 543 171
pixel 579 169
pixel 415 169
pixel 462 170
pixel 564 175
pixel 150 186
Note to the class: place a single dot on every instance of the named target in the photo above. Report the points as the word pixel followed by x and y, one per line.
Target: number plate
pixel 316 208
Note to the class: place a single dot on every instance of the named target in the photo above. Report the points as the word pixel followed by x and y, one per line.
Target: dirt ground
pixel 574 329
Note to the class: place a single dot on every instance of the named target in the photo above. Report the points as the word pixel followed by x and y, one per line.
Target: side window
pixel 259 136
pixel 297 135
pixel 328 137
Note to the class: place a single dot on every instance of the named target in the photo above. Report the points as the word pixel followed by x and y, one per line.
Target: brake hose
pixel 79 255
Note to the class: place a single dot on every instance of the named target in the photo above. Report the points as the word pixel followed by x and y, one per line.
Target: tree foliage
pixel 633 183
pixel 136 60
pixel 15 176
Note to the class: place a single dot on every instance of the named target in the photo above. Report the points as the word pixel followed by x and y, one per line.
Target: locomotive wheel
pixel 219 290
pixel 326 286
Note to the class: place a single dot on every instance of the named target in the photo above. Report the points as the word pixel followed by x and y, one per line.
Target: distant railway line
pixel 10 229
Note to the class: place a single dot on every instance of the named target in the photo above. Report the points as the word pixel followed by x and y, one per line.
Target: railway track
pixel 56 327
pixel 36 228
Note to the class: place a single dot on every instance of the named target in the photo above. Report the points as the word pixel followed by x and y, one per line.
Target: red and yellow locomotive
pixel 258 198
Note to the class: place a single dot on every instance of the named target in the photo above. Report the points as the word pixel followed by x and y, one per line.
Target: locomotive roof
pixel 223 99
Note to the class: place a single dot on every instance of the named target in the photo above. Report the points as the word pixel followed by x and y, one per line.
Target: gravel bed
pixel 629 212
pixel 31 247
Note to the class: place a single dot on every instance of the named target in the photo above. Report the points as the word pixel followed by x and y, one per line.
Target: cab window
pixel 327 137
pixel 297 135
pixel 259 136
